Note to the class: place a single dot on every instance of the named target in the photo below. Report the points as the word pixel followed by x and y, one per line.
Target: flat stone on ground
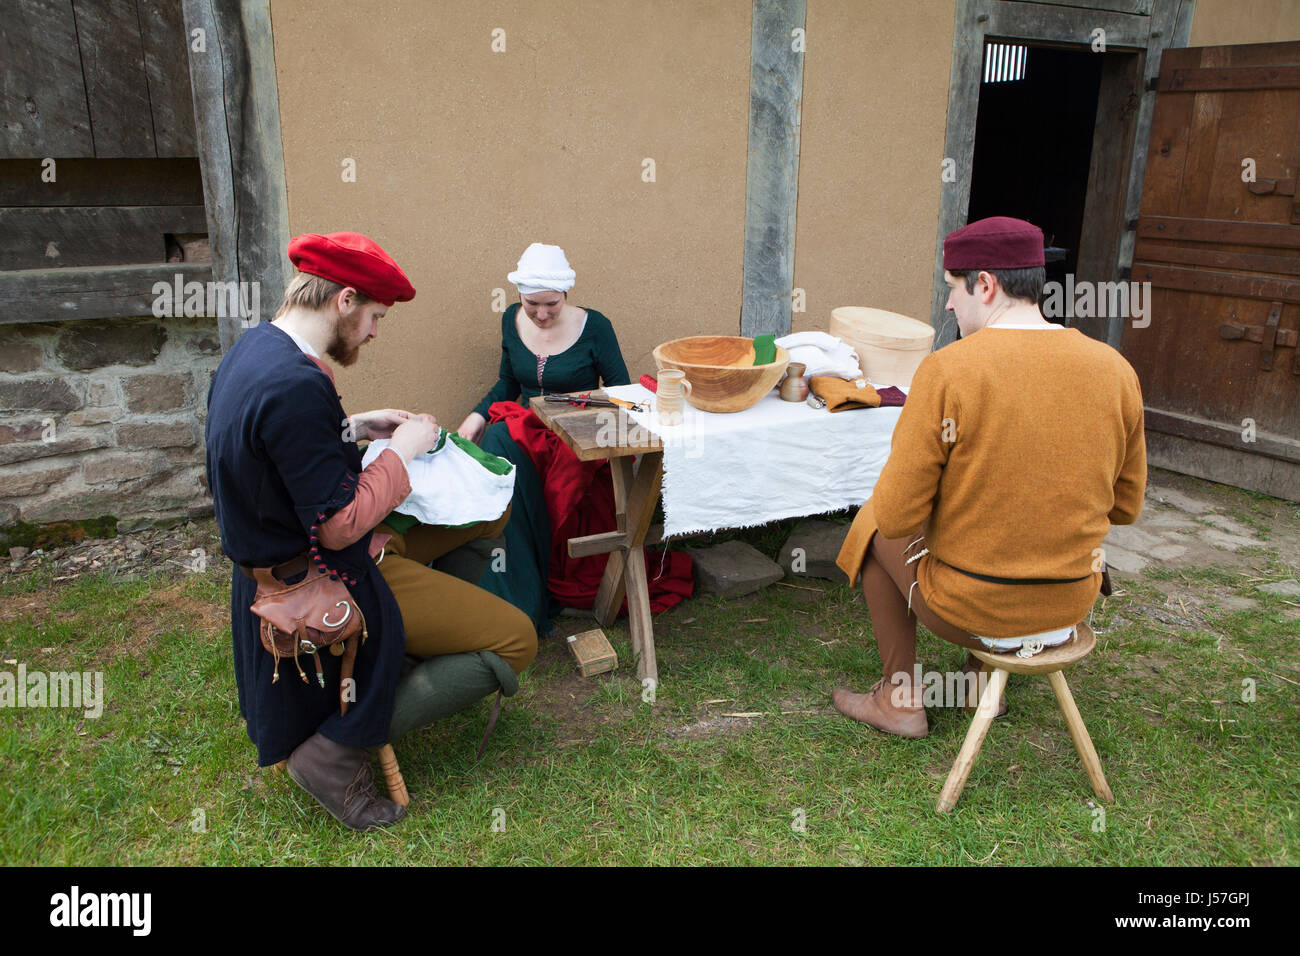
pixel 1179 500
pixel 1166 519
pixel 1289 588
pixel 1166 552
pixel 1124 560
pixel 812 549
pixel 1229 542
pixel 1230 602
pixel 1224 523
pixel 1129 538
pixel 733 569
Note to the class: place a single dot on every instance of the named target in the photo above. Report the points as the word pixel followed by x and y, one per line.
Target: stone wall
pixel 104 418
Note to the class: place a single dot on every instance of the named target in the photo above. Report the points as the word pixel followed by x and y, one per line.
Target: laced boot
pixel 893 709
pixel 339 778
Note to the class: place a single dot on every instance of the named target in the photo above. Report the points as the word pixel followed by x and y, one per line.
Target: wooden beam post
pixel 237 123
pixel 772 173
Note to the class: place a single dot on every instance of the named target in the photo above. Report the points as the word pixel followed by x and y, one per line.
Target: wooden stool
pixel 1050 662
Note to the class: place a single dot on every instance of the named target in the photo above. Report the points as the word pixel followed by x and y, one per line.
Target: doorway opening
pixel 1034 144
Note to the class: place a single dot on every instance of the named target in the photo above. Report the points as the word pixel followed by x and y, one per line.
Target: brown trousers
pixel 887 579
pixel 442 614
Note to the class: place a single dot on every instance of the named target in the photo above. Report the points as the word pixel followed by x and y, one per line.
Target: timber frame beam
pixel 237 122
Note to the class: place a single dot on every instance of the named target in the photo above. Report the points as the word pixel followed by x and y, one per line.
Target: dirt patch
pixel 180 549
pixel 568 697
pixel 712 727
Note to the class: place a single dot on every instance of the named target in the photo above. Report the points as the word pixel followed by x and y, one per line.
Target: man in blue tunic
pixel 286 479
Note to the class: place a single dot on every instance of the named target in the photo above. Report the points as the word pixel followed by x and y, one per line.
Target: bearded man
pixel 287 483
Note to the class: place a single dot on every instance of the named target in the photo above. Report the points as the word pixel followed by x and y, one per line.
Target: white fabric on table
pixel 775 460
pixel 822 354
pixel 450 487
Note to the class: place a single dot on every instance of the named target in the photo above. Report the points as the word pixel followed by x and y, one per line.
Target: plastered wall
pixel 465 155
pixel 1220 22
pixel 871 154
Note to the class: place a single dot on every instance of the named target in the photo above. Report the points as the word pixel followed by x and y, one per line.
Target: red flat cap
pixel 998 242
pixel 350 258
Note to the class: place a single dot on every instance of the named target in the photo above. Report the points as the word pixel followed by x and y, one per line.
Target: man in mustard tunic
pixel 1019 446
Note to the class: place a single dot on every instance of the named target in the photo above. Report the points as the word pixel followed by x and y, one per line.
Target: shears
pixel 583 401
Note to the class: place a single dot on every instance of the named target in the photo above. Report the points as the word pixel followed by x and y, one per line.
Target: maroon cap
pixel 352 259
pixel 998 242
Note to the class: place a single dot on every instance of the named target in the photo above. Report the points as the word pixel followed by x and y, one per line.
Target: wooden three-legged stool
pixel 1050 663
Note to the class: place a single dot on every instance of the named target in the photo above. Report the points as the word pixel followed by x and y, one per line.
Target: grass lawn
pixel 583 771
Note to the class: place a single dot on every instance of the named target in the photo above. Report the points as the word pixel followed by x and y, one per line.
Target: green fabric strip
pixel 765 349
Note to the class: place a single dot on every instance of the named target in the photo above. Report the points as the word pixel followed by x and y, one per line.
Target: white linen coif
pixel 542 268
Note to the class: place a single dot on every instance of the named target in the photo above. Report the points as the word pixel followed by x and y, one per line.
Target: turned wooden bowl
pixel 721 370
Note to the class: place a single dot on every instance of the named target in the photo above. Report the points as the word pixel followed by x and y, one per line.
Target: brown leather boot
pixel 339 778
pixel 877 708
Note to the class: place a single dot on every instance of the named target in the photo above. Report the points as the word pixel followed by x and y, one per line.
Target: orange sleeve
pixel 383 485
pixel 1131 484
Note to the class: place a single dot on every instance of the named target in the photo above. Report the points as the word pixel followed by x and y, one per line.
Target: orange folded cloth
pixel 840 395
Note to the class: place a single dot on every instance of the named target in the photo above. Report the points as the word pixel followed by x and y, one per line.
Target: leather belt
pixel 993 580
pixel 295 565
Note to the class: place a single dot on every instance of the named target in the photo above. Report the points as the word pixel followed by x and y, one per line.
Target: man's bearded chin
pixel 344 332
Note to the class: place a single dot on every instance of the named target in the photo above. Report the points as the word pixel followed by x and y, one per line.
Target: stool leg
pixel 1079 733
pixel 393 776
pixel 970 749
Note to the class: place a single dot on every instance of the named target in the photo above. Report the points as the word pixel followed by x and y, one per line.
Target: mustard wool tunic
pixel 1016 451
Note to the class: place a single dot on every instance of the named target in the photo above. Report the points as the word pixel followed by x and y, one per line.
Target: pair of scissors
pixel 582 401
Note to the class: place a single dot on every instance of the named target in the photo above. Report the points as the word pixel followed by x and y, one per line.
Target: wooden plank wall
pixel 94 78
pixel 98 154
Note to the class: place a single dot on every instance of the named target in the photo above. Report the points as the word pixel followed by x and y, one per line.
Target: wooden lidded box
pixel 889 346
pixel 594 652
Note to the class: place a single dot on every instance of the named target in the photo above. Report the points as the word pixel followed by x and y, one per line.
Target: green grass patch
pixel 591 772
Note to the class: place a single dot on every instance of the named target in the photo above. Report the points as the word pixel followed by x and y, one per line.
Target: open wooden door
pixel 1219 241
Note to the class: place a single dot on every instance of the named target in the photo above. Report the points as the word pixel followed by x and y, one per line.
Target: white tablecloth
pixel 772 461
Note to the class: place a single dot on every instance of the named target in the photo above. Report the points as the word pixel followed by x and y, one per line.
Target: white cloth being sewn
pixel 1049 639
pixel 822 354
pixel 449 487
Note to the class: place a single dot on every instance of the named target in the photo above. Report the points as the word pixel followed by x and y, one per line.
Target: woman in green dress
pixel 547 346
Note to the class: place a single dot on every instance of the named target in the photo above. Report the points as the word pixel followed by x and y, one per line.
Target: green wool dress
pixel 590 362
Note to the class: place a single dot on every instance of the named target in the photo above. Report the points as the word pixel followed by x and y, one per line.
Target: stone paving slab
pixel 733 569
pixel 812 548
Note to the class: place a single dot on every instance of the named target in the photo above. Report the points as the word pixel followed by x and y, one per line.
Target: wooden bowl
pixel 721 370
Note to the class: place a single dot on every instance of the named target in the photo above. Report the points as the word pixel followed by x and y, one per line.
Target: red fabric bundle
pixel 580 501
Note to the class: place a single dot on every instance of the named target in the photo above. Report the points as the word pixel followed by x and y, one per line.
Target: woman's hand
pixel 472 427
pixel 415 436
pixel 379 423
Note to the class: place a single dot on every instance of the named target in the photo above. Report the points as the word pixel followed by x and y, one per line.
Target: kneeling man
pixel 288 487
pixel 1018 447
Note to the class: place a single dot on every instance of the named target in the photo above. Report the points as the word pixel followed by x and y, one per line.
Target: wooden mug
pixel 670 398
pixel 794 388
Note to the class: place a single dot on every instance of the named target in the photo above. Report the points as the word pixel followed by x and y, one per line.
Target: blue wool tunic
pixel 277 464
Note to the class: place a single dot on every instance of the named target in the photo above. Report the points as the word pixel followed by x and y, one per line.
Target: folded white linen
pixel 822 354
